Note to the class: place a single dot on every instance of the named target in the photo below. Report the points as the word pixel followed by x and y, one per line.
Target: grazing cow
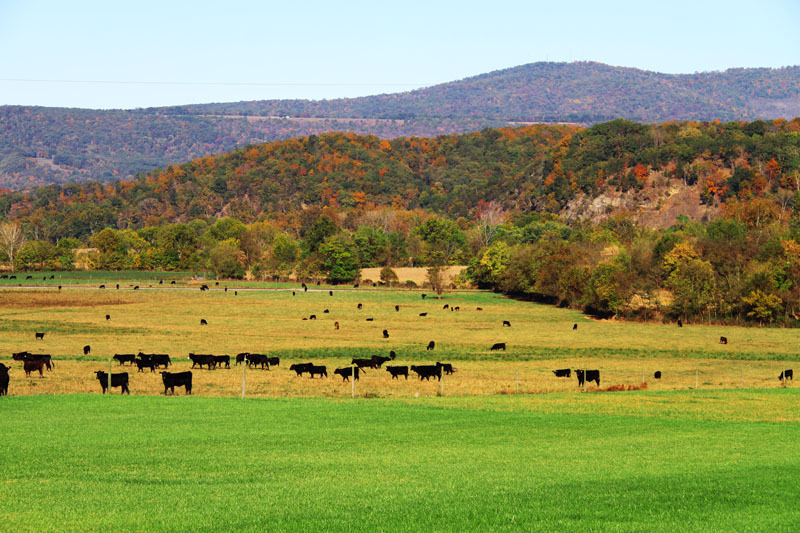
pixel 396 371
pixel 43 358
pixel 293 294
pixel 723 340
pixel 136 287
pixel 312 317
pixel 446 306
pixel 498 346
pixel 562 373
pixel 379 360
pixel 680 323
pixel 141 364
pixel 59 287
pixel 336 325
pixel 396 307
pixel 200 359
pixel 117 380
pixel 431 346
pixel 30 366
pixel 359 306
pixel 447 368
pixel 423 314
pixel 108 317
pixel 28 277
pixel 4 379
pixel 274 361
pixel 506 324
pixel 574 327
pixel 304 286
pixel 161 282
pixel 426 372
pixel 330 293
pixel 255 359
pixel 102 287
pixel 318 370
pixel 423 295
pixel 657 374
pixel 588 376
pixel 172 282
pixel 299 368
pixel 370 319
pixel 355 285
pixel 241 358
pixel 12 277
pixel 216 283
pixel 226 289
pixel 159 359
pixel 385 334
pixel 347 372
pixel 479 308
pixel 203 322
pixel 203 287
pixel 39 335
pixel 365 363
pixel 786 374
pixel 326 311
pixel 177 379
pixel 87 349
pixel 220 360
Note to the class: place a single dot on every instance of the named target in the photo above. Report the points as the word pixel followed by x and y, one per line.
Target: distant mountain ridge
pixel 41 145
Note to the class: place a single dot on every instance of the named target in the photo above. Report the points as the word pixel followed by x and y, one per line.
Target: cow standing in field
pixel 396 307
pixel 117 380
pixel 32 366
pixel 378 360
pixel 87 349
pixel 203 322
pixel 723 340
pixel 141 364
pixel 360 306
pixel 177 379
pixel 385 334
pixel 680 323
pixel 657 374
pixel 447 368
pixel 241 358
pixel 199 359
pixel 574 327
pixel 423 314
pixel 336 325
pixel 427 371
pixel 124 358
pixel 588 376
pixel 44 358
pixel 396 371
pixel 786 374
pixel 39 336
pixel 300 368
pixel 256 359
pixel 364 363
pixel 431 346
pixel 4 379
pixel 108 317
pixel 562 373
pixel 347 372
pixel 506 324
pixel 220 360
pixel 498 346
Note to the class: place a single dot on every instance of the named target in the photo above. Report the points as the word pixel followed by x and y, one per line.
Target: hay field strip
pixel 539 340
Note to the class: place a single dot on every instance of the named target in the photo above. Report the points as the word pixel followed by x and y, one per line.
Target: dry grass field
pixel 539 340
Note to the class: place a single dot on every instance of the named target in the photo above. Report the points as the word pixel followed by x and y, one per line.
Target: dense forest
pixel 39 146
pixel 325 206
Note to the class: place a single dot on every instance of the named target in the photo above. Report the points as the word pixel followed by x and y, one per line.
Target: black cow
pixel 30 366
pixel 445 306
pixel 241 358
pixel 200 359
pixel 364 363
pixel 347 372
pixel 426 372
pixel 255 359
pixel 680 323
pixel 396 307
pixel 457 308
pixel 39 336
pixel 506 323
pixel 312 317
pixel 786 374
pixel 574 327
pixel 562 373
pixel 102 287
pixel 379 360
pixel 177 379
pixel 723 340
pixel 498 346
pixel 360 306
pixel 315 369
pixel 117 380
pixel 479 308
pixel 431 346
pixel 223 360
pixel 203 322
pixel 385 334
pixel 28 277
pixel 326 311
pixel 125 358
pixel 274 361
pixel 299 368
pixel 370 319
pixel 136 287
pixel 447 368
pixel 43 358
pixel 117 286
pixel 204 287
pixel 87 349
pixel 160 359
pixel 396 371
pixel 330 293
pixel 305 289
pixel 588 376
pixel 108 317
pixel 423 295
pixel 423 314
pixel 4 379
pixel 392 355
pixel 141 364
pixel 172 282
pixel 657 374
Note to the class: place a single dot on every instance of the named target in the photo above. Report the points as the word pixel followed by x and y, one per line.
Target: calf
pixel 87 349
pixel 4 379
pixel 220 360
pixel 588 376
pixel 141 364
pixel 431 346
pixel 200 359
pixel 203 322
pixel 479 308
pixel 43 358
pixel 396 371
pixel 498 346
pixel 177 379
pixel 326 311
pixel 299 368
pixel 787 374
pixel 426 372
pixel 117 380
pixel 562 373
pixel 447 368
pixel 347 372
pixel 723 340
pixel 124 358
pixel 506 324
pixel 39 336
pixel 30 366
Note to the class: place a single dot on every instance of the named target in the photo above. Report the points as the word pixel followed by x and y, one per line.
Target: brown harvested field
pixel 415 274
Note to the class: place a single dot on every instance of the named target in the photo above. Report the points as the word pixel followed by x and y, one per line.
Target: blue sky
pixel 57 53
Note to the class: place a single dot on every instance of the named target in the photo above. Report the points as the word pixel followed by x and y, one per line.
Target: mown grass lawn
pixel 656 461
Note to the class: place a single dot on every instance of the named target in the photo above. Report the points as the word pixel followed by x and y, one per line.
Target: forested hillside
pixel 48 145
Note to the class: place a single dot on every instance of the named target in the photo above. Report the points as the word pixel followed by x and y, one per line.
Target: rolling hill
pixel 40 145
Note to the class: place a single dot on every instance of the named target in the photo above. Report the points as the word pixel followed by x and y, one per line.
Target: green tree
pixel 443 240
pixel 339 262
pixel 692 284
pixel 226 260
pixel 764 307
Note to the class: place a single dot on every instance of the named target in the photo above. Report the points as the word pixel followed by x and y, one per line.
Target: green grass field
pixel 531 463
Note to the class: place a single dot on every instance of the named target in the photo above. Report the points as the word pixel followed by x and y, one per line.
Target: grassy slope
pixel 550 463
